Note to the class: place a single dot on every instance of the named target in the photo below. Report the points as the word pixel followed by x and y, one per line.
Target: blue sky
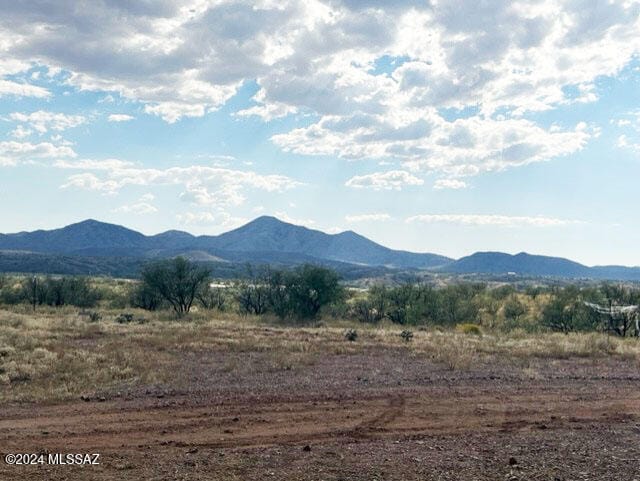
pixel 444 126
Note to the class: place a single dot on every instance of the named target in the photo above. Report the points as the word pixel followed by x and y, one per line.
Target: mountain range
pixel 92 247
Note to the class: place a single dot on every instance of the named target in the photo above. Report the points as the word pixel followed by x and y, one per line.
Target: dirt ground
pixel 376 415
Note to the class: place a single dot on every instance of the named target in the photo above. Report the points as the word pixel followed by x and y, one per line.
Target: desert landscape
pixel 243 399
pixel 319 240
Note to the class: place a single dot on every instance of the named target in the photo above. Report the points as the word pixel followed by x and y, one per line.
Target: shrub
pixel 406 335
pixel 212 298
pixel 457 354
pixel 124 318
pixel 351 335
pixel 468 328
pixel 514 309
pixel 363 311
pixel 145 297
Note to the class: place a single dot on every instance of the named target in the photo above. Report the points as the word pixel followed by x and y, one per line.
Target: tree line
pixel 309 292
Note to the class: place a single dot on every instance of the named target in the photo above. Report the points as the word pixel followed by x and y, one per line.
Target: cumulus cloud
pixel 201 185
pixel 43 121
pixel 13 152
pixel 375 217
pixel 391 180
pixel 142 206
pixel 624 142
pixel 15 89
pixel 449 184
pixel 374 77
pixel 92 164
pixel 219 218
pixel 20 132
pixel 119 118
pixel 283 216
pixel 491 220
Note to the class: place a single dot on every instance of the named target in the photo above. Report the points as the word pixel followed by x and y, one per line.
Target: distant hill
pixel 92 247
pixel 265 240
pixel 529 265
pixel 268 234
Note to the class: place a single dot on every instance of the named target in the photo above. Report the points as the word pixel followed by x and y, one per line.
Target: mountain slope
pixel 93 246
pixel 521 264
pixel 268 234
pixel 87 235
pixel 264 239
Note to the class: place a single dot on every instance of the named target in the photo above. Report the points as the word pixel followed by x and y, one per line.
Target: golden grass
pixel 55 354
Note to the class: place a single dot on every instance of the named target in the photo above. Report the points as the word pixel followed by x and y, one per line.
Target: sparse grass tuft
pixel 469 328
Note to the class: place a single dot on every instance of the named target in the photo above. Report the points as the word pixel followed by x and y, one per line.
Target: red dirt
pixel 366 417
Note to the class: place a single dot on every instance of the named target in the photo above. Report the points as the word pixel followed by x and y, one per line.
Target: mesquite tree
pixel 177 281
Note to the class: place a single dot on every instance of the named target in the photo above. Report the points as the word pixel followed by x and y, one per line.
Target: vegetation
pixel 176 281
pixel 300 293
pixel 308 293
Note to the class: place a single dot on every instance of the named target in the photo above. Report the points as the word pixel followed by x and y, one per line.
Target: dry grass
pixel 58 354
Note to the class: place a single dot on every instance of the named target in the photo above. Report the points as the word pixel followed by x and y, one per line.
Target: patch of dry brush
pixel 59 354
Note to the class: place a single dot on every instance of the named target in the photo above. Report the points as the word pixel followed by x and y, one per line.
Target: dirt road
pixel 573 426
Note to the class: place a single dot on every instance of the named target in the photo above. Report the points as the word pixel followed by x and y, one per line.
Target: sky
pixel 431 126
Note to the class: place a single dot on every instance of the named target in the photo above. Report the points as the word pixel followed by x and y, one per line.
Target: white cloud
pixel 12 152
pixel 20 132
pixel 492 220
pixel 91 164
pixel 283 216
pixel 141 207
pixel 220 219
pixel 202 185
pixel 373 217
pixel 119 118
pixel 624 142
pixel 374 77
pixel 43 121
pixel 391 180
pixel 21 89
pixel 90 181
pixel 449 184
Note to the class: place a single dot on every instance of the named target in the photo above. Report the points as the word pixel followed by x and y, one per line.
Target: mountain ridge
pixel 268 240
pixel 263 235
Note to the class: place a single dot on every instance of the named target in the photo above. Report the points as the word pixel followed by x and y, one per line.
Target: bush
pixel 310 288
pixel 299 294
pixel 213 298
pixel 514 309
pixel 363 311
pixel 124 318
pixel 406 335
pixel 468 328
pixel 351 335
pixel 143 296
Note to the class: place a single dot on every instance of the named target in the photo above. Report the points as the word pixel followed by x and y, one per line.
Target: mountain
pixel 268 234
pixel 529 265
pixel 89 235
pixel 521 264
pixel 92 247
pixel 264 240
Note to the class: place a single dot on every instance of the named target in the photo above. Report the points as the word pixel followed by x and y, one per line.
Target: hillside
pixel 92 247
pixel 265 239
